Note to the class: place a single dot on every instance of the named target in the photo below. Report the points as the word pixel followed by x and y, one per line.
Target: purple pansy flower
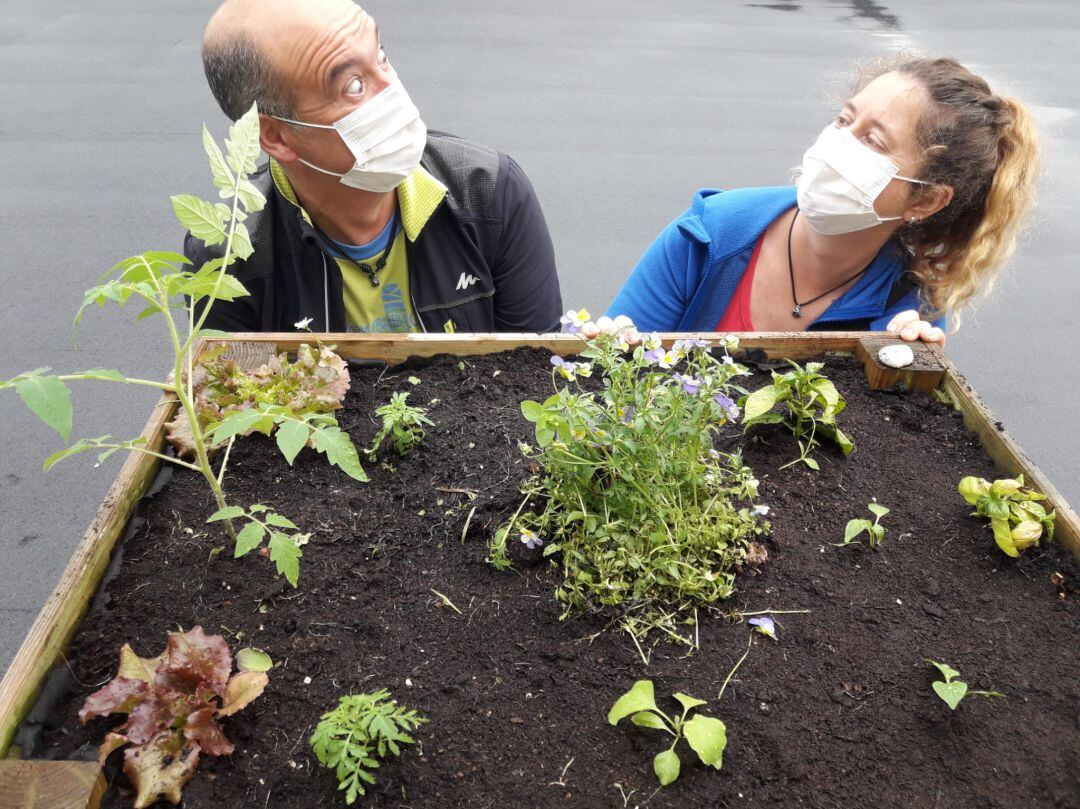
pixel 531 540
pixel 727 405
pixel 690 384
pixel 765 625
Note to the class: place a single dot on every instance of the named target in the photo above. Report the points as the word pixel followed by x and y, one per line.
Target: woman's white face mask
pixel 385 135
pixel 840 180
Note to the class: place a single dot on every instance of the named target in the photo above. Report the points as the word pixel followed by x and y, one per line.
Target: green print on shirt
pixel 396 316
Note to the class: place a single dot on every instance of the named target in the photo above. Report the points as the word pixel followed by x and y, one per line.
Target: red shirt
pixel 737 315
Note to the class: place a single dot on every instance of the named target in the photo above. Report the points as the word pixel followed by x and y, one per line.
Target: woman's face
pixel 884 117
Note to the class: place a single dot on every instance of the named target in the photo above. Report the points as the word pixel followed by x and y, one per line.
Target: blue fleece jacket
pixel 689 274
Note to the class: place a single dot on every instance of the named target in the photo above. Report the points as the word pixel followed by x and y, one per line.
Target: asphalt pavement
pixel 618 110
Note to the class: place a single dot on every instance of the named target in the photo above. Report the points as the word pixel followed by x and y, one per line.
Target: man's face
pixel 329 54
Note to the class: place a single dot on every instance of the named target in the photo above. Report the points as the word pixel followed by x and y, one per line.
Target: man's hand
pixel 910 326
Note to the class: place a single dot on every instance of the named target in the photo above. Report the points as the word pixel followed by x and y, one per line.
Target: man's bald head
pixel 246 54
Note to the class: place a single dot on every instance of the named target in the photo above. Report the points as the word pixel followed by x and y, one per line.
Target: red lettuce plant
pixel 172 702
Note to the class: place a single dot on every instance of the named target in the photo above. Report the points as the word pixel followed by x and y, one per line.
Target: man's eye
pixel 355 87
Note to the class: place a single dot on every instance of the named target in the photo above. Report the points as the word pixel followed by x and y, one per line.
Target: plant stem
pixel 749 643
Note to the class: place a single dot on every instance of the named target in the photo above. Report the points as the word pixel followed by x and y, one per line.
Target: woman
pixel 906 207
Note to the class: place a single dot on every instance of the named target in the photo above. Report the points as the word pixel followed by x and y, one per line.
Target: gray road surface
pixel 618 111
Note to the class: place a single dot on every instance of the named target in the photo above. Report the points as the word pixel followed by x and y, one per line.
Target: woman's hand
pixel 910 326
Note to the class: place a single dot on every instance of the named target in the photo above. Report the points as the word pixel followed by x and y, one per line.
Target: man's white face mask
pixel 385 135
pixel 840 180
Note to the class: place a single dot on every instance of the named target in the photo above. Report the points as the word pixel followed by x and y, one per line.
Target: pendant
pixel 797 311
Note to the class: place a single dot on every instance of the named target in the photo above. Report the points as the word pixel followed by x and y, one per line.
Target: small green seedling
pixel 874 530
pixel 812 402
pixel 402 423
pixel 1015 515
pixel 951 690
pixel 360 730
pixel 706 735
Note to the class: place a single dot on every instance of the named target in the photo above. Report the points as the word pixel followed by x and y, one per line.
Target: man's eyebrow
pixel 346 64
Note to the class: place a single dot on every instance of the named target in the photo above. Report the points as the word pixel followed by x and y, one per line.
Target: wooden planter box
pixel 80 784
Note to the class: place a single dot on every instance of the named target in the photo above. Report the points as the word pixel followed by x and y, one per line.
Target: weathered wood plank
pixel 395 348
pixel 56 623
pixel 50 784
pixel 924 374
pixel 1007 455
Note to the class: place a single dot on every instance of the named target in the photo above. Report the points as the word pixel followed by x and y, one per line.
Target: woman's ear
pixel 275 137
pixel 932 199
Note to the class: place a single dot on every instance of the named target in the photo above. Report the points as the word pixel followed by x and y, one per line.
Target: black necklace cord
pixel 372 269
pixel 797 310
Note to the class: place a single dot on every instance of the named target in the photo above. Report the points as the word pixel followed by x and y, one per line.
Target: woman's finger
pixel 903 319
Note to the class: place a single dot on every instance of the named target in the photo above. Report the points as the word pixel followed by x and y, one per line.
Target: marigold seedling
pixel 812 404
pixel 402 423
pixel 363 729
pixel 951 690
pixel 173 703
pixel 875 531
pixel 1016 516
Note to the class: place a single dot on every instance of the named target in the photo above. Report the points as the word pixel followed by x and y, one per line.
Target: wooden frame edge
pixel 55 625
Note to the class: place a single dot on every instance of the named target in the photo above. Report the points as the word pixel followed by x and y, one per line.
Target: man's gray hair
pixel 240 75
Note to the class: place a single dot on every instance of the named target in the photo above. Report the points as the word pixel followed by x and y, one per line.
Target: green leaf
pixel 708 737
pixel 291 437
pixel 533 411
pixel 253 660
pixel 971 488
pixel 759 402
pixel 47 397
pixel 339 451
pixel 80 446
pixel 688 702
pixel 223 177
pixel 877 509
pixel 237 423
pixel 241 245
pixel 647 719
pixel 249 538
pixel 286 555
pixel 951 692
pixel 227 513
pixel 666 766
pixel 250 197
pixel 280 522
pixel 242 144
pixel 1003 537
pixel 640 697
pixel 202 218
pixel 947 671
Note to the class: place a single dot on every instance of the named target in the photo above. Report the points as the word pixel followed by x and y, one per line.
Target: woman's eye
pixel 355 87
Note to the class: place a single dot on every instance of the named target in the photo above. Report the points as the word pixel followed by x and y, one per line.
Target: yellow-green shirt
pixel 388 306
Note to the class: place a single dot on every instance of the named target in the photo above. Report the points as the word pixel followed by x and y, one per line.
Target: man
pixel 373 224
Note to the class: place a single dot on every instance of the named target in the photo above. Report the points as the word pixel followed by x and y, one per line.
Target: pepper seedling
pixel 951 690
pixel 706 735
pixel 874 530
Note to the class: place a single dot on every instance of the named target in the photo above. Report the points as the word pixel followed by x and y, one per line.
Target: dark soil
pixel 837 712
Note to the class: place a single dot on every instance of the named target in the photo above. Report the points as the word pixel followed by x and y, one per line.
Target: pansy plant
pixel 645 518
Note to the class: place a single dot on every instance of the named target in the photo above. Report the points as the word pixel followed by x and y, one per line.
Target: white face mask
pixel 385 135
pixel 840 180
